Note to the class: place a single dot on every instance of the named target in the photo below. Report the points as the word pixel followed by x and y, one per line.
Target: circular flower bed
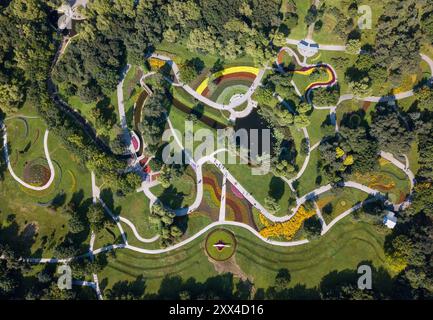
pixel 37 172
pixel 220 244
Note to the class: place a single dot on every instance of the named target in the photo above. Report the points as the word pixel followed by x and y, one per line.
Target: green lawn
pixel 300 31
pixel 182 96
pixel 131 90
pixel 188 261
pixel 37 229
pixel 344 247
pixel 333 204
pixel 229 92
pixel 260 186
pixel 135 207
pixel 178 119
pixel 26 140
pixel 308 181
pixel 315 130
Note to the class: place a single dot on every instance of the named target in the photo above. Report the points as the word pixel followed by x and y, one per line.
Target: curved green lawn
pixel 346 245
pixel 229 92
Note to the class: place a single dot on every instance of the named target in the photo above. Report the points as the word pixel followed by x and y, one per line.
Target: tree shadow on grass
pixel 108 198
pixel 19 239
pixel 126 290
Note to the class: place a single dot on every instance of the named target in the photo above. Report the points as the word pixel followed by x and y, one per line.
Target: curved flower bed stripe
pixel 236 192
pixel 332 77
pixel 229 80
pixel 241 69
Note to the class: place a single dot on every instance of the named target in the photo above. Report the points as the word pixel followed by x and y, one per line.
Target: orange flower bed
pixel 287 229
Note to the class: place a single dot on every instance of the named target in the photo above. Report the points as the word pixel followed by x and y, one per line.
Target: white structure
pixel 308 48
pixel 390 220
pixel 70 12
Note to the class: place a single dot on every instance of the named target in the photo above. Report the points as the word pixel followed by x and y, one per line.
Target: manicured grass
pixel 260 186
pixel 182 96
pixel 332 204
pixel 36 228
pixel 196 222
pixel 229 92
pixel 344 247
pixel 315 130
pixel 135 207
pixel 311 179
pixel 220 237
pixel 178 119
pixel 131 91
pixel 26 140
pixel 186 262
pixel 300 31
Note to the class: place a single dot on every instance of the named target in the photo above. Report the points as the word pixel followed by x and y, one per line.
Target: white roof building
pixel 390 220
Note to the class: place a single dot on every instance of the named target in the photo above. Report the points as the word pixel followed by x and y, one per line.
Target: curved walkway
pixel 136 234
pixel 227 176
pixel 199 97
pixel 11 171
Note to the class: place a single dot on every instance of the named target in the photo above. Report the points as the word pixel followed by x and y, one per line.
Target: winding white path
pixel 210 226
pixel 136 234
pixel 11 171
pixel 228 177
pixel 233 104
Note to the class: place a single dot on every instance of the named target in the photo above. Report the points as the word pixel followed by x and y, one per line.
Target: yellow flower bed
pixel 225 72
pixel 156 63
pixel 287 229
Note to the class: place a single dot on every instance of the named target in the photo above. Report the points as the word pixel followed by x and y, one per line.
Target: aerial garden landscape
pixel 89 108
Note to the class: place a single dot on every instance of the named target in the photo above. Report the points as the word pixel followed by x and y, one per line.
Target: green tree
pixel 353 46
pixel 424 96
pixel 312 227
pixel 301 121
pixel 97 218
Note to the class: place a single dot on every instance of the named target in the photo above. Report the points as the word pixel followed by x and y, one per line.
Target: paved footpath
pixel 11 171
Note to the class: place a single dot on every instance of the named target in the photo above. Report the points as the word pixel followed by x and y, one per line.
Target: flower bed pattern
pixel 241 71
pixel 288 229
